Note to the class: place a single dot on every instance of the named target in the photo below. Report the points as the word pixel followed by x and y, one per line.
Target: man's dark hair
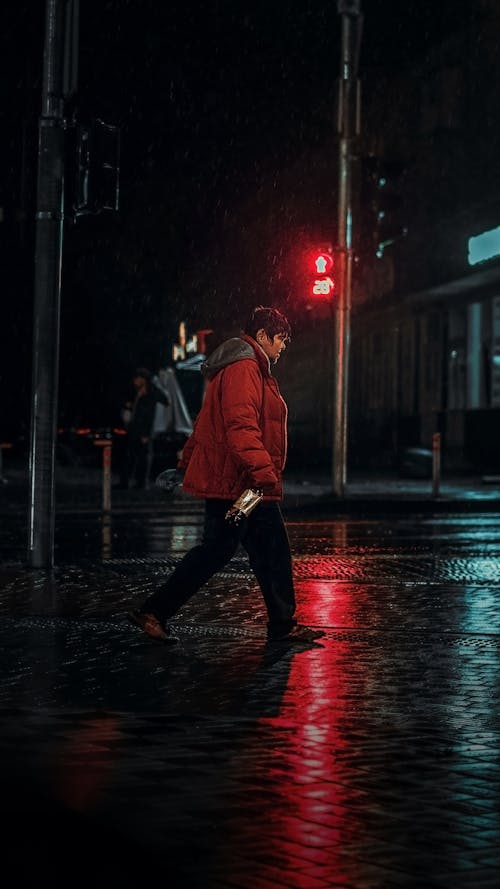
pixel 142 372
pixel 271 320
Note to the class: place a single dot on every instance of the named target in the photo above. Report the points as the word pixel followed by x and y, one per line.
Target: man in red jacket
pixel 239 442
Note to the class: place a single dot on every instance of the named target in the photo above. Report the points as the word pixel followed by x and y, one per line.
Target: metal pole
pixel 348 128
pixel 47 295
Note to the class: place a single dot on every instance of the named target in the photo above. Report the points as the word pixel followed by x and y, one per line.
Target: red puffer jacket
pixel 239 438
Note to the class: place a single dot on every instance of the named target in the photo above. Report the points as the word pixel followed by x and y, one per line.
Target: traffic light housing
pixel 97 168
pixel 382 202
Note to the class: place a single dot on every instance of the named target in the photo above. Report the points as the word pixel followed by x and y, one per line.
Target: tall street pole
pixel 47 294
pixel 348 130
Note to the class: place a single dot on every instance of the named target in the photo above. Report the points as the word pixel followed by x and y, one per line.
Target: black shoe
pixel 298 633
pixel 151 625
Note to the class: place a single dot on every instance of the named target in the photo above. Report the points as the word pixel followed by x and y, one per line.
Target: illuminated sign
pixel 484 246
pixel 323 287
pixel 323 263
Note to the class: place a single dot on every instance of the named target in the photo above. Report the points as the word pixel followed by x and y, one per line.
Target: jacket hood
pixel 234 349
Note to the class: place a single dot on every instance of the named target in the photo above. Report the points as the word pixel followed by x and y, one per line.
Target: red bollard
pixel 436 463
pixel 106 445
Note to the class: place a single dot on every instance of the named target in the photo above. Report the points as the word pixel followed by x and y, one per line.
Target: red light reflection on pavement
pixel 88 758
pixel 299 811
pixel 324 604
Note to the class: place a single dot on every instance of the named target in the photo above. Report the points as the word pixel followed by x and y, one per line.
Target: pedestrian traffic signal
pixel 323 272
pixel 323 263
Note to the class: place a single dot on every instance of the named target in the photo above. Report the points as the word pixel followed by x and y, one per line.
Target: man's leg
pixel 219 543
pixel 149 462
pixel 142 464
pixel 268 547
pixel 126 466
pixel 266 542
pixel 130 465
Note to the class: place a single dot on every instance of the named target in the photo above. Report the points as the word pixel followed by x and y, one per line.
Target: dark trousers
pixel 264 537
pixel 137 462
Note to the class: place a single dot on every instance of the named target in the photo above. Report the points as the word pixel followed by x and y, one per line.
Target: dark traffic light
pixel 97 168
pixel 382 201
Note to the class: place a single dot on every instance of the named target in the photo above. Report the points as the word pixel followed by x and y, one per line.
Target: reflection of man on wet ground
pixel 58 790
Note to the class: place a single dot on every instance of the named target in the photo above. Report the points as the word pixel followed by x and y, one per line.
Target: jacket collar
pixel 263 360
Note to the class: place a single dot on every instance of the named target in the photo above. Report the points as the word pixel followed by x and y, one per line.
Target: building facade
pixel 425 320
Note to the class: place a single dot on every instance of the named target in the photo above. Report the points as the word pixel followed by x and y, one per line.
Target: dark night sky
pixel 215 100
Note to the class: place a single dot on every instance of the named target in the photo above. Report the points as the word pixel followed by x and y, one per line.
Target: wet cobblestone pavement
pixel 368 761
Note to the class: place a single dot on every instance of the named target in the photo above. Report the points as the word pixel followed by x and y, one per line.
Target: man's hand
pixel 244 505
pixel 169 480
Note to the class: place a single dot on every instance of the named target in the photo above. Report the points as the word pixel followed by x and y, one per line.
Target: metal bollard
pixel 4 445
pixel 106 445
pixel 436 463
pixel 106 537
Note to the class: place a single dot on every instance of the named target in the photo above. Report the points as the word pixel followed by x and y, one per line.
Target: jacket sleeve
pixel 241 402
pixel 185 457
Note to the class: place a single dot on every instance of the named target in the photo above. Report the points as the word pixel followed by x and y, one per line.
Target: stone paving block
pixel 368 760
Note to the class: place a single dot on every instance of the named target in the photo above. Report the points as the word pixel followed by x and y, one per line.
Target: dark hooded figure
pixel 141 414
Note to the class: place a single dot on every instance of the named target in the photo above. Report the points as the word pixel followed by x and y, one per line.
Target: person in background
pixel 138 416
pixel 238 444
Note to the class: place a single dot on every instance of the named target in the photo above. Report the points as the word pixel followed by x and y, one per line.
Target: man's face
pixel 139 382
pixel 272 347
